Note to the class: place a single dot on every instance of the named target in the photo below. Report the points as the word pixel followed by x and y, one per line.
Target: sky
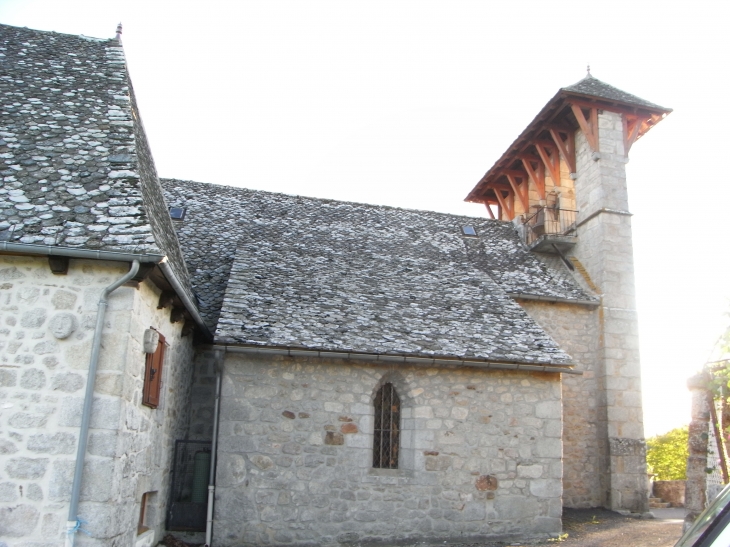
pixel 409 103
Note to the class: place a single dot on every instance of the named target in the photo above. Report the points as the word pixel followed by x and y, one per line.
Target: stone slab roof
pixel 518 271
pixel 596 88
pixel 75 165
pixel 281 270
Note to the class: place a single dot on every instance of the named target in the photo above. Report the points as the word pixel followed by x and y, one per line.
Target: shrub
pixel 666 455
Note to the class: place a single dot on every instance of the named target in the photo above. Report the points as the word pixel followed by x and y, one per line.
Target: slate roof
pixel 345 276
pixel 76 168
pixel 78 172
pixel 596 88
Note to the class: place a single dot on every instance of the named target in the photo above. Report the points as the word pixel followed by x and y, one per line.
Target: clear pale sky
pixel 408 103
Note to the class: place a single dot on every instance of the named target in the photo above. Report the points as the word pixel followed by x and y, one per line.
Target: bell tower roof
pixel 550 139
pixel 593 88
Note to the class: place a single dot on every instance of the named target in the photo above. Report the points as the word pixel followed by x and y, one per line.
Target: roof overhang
pixel 158 270
pixel 559 115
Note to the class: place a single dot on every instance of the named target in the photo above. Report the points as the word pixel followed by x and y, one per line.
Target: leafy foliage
pixel 666 455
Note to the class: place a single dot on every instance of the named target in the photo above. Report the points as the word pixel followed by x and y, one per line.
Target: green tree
pixel 666 455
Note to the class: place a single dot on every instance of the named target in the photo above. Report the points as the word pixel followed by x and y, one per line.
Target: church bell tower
pixel 562 184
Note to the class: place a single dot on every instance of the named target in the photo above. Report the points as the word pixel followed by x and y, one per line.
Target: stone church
pixel 240 367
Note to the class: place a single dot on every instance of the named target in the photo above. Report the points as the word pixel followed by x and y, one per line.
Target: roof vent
pixel 177 213
pixel 469 231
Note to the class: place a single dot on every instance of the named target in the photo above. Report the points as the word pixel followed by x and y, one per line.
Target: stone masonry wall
pixel 605 249
pixel 480 454
pixel 46 327
pixel 576 329
pixel 202 402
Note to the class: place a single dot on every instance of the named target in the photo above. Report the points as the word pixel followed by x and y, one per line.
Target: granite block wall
pixel 481 454
pixel 202 401
pixel 46 327
pixel 576 328
pixel 605 248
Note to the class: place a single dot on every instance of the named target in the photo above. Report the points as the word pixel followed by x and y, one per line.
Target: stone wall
pixel 46 327
pixel 576 329
pixel 604 247
pixel 669 491
pixel 480 454
pixel 202 402
pixel 603 431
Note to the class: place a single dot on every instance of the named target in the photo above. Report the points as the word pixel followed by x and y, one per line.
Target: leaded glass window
pixel 387 428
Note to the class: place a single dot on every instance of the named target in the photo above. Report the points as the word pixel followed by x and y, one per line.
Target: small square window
pixel 469 231
pixel 147 511
pixel 177 213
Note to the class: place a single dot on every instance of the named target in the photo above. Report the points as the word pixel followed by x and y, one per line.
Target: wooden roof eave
pixel 548 113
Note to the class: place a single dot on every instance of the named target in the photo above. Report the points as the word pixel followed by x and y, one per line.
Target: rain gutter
pixel 161 261
pixel 555 299
pixel 403 359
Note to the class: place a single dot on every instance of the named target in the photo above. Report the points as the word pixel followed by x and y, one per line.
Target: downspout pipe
pixel 72 523
pixel 213 454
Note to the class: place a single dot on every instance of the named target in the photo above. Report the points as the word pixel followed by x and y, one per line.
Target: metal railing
pixel 549 221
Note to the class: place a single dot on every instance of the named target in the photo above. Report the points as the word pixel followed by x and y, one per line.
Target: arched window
pixel 386 441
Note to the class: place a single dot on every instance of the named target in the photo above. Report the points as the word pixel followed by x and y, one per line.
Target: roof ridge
pixel 332 200
pixel 81 36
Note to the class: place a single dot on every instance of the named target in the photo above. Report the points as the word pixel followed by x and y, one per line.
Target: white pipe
pixel 555 299
pixel 213 454
pixel 405 359
pixel 73 252
pixel 73 519
pixel 191 306
pixel 160 260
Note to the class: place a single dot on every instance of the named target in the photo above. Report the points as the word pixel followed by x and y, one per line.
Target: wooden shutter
pixel 153 375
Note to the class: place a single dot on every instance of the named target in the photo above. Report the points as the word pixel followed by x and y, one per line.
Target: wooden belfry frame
pixel 550 138
pixel 540 158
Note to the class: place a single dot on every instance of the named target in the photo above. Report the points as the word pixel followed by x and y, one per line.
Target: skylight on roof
pixel 177 213
pixel 469 231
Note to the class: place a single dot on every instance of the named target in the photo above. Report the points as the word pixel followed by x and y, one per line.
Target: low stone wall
pixel 670 491
pixel 480 454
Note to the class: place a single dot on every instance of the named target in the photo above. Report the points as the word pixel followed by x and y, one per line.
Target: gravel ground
pixel 582 528
pixel 600 528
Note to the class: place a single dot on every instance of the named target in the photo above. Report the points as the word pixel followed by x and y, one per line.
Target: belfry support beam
pixel 551 159
pixel 632 125
pixel 566 147
pixel 506 204
pixel 521 189
pixel 589 125
pixel 536 173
